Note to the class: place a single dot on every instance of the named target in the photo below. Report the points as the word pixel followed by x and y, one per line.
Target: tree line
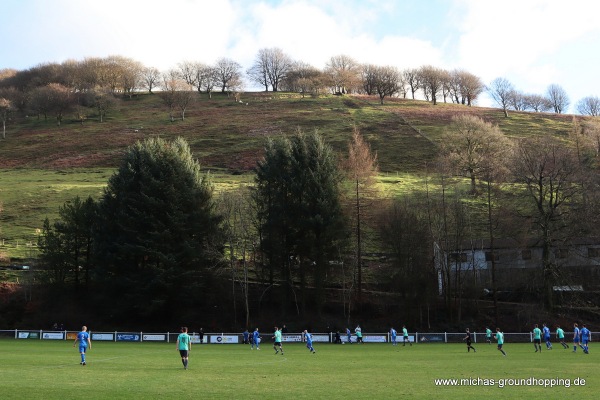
pixel 73 85
pixel 301 239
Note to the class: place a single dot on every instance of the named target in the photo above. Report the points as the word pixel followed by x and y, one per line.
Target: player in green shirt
pixel 405 336
pixel 488 335
pixel 184 345
pixel 560 335
pixel 277 341
pixel 537 338
pixel 500 338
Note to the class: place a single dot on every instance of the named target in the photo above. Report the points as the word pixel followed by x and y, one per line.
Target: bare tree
pixel 184 98
pixel 453 89
pixel 206 78
pixel 361 167
pixel 61 100
pixel 448 224
pixel 40 101
pixel 589 106
pixel 17 98
pixel 303 78
pixel 110 73
pixel 343 73
pixel 446 78
pixel 470 86
pixel 150 77
pixel 188 72
pixel 517 101
pixel 228 73
pixel 387 81
pixel 5 109
pixel 171 83
pixel 104 101
pixel 493 171
pixel 470 143
pixel 131 76
pixel 368 78
pixel 413 80
pixel 548 171
pixel 536 102
pixel 270 68
pixel 432 80
pixel 558 98
pixel 87 74
pixel 501 90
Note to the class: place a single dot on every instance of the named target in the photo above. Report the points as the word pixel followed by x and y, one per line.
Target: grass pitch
pixel 51 370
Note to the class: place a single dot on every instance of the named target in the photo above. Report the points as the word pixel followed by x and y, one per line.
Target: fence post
pixel 475 337
pixel 416 337
pixel 445 337
pixel 16 333
pixel 115 336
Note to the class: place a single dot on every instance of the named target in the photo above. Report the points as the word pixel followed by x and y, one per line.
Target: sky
pixel 532 43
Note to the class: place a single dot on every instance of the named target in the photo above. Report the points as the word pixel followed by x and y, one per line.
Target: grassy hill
pixel 42 165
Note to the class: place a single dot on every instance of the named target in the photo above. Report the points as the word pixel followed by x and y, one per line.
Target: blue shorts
pixel 82 349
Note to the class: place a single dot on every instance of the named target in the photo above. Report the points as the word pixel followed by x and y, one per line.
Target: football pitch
pixel 50 370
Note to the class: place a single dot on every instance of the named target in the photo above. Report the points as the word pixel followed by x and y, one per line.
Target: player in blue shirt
pixel 576 337
pixel 393 333
pixel 308 338
pixel 546 334
pixel 585 335
pixel 349 335
pixel 83 338
pixel 255 340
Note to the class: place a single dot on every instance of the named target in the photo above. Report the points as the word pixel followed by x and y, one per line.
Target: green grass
pixel 51 370
pixel 28 196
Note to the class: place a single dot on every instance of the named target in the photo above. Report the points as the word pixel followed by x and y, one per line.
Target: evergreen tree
pixel 66 245
pixel 297 189
pixel 158 230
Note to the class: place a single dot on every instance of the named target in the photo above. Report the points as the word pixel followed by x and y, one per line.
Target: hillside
pixel 229 135
pixel 43 164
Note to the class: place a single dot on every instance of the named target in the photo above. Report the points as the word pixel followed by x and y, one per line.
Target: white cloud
pixel 310 33
pixel 511 36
